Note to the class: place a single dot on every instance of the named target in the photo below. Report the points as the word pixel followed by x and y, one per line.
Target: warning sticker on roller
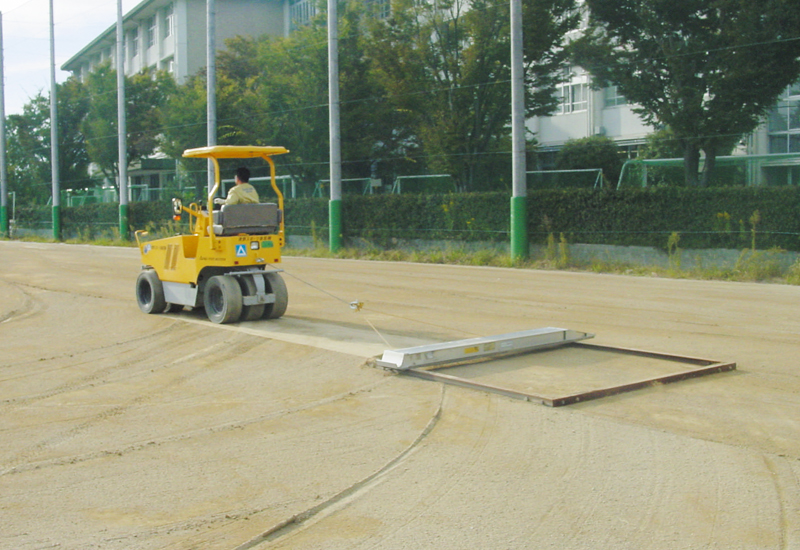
pixel 241 250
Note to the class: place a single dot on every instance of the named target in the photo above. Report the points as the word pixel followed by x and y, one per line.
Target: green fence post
pixel 124 223
pixel 519 228
pixel 335 220
pixel 4 232
pixel 57 222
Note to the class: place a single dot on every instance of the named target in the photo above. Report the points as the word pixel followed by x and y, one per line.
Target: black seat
pixel 250 219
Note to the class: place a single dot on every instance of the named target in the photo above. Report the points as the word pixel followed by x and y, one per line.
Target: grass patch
pixel 752 265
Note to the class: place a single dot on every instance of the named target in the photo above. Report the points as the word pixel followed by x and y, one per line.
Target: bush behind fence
pixel 732 217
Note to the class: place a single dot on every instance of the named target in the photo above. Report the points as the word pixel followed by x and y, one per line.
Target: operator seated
pixel 242 192
pixel 241 212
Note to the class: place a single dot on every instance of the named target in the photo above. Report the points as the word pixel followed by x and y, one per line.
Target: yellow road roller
pixel 226 264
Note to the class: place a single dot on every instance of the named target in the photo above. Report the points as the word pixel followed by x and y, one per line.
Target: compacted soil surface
pixel 121 430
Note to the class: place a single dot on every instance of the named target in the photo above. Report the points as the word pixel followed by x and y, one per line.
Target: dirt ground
pixel 120 430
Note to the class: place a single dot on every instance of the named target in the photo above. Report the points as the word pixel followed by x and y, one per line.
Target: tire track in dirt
pixel 787 490
pixel 342 499
pixel 156 341
pixel 71 291
pixel 201 432
pixel 28 308
pixel 571 471
pixel 463 466
pixel 204 531
pixel 715 519
pixel 219 352
pixel 463 469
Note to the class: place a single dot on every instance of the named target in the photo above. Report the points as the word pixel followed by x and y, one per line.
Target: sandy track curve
pixel 122 430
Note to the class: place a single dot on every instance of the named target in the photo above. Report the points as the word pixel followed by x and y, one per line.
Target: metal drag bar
pixel 425 366
pixel 707 366
pixel 473 349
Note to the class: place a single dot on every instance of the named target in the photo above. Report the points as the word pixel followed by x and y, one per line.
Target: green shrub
pixel 705 218
pixel 591 152
pixel 722 217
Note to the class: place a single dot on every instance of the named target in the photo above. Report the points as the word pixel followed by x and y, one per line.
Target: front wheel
pixel 223 299
pixel 150 292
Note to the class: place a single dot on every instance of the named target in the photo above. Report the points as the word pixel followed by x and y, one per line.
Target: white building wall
pixel 621 123
pixel 196 36
pixel 182 50
pixel 249 17
pixel 181 40
pixel 585 112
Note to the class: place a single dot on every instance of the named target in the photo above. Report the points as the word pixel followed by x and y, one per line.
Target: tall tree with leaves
pixel 29 144
pixel 274 91
pixel 447 64
pixel 146 93
pixel 276 94
pixel 709 70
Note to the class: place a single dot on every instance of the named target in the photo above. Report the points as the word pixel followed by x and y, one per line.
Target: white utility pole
pixel 211 84
pixel 335 204
pixel 122 127
pixel 54 133
pixel 4 230
pixel 519 229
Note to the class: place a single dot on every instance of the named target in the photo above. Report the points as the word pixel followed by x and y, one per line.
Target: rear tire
pixel 276 286
pixel 150 292
pixel 223 299
pixel 250 313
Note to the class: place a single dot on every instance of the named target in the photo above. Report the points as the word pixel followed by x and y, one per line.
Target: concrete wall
pixel 249 17
pixel 618 123
pixel 585 254
pixel 186 46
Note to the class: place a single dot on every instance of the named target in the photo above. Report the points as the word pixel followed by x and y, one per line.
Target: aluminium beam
pixel 473 349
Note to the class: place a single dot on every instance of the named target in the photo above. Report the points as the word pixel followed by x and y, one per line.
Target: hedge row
pixel 94 220
pixel 704 218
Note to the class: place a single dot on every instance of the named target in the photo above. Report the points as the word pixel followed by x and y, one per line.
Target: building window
pixel 573 97
pixel 783 123
pixel 380 9
pixel 573 92
pixel 151 32
pixel 133 43
pixel 301 12
pixel 612 97
pixel 169 21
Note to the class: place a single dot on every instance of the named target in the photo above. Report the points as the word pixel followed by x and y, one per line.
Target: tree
pixel 146 93
pixel 29 172
pixel 707 70
pixel 446 64
pixel 661 144
pixel 29 167
pixel 274 91
pixel 184 118
pixel 591 152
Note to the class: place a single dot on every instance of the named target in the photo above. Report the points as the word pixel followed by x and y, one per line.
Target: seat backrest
pixel 251 219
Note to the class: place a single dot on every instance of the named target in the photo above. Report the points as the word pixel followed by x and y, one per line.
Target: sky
pixel 26 41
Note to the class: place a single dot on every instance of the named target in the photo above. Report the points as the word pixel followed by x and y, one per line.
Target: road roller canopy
pixel 234 151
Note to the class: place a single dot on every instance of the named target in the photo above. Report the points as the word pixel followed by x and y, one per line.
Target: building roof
pixel 110 35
